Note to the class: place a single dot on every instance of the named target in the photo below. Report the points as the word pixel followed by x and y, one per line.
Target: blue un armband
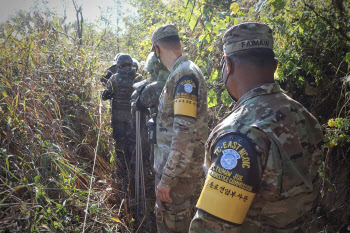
pixel 185 97
pixel 233 179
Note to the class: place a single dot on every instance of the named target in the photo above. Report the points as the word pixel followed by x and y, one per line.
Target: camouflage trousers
pixel 124 137
pixel 176 216
pixel 204 223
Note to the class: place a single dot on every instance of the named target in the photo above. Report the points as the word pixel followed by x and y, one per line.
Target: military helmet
pixel 124 60
pixel 150 61
pixel 116 58
pixel 135 64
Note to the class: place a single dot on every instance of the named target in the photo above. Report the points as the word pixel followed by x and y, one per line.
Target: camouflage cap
pixel 164 31
pixel 247 36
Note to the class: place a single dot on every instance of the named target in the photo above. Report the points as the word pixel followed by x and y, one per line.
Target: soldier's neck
pixel 170 57
pixel 244 79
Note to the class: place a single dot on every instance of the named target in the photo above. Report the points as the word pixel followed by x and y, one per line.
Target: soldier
pixel 181 131
pixel 262 157
pixel 148 94
pixel 139 86
pixel 119 89
pixel 136 66
pixel 111 70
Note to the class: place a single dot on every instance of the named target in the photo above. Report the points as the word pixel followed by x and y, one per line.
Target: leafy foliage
pixel 312 45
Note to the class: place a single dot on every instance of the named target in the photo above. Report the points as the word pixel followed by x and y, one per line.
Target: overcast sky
pixel 91 10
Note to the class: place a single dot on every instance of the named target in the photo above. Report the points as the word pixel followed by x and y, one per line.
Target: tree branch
pixel 63 33
pixel 327 21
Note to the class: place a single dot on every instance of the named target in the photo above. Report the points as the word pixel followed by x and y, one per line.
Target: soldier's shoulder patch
pixel 237 153
pixel 186 96
pixel 233 179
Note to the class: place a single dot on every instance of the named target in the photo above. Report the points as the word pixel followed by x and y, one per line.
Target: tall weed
pixel 49 123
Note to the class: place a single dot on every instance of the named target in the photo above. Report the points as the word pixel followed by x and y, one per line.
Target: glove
pixel 103 80
pixel 105 95
pixel 140 106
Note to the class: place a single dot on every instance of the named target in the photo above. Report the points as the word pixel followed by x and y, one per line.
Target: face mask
pixel 158 57
pixel 223 65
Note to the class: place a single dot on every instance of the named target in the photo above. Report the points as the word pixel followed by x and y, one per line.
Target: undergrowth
pixel 49 126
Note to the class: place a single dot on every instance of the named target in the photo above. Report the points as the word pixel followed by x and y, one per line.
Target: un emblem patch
pixel 188 87
pixel 229 159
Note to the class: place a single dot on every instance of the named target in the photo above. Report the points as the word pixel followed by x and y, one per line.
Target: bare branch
pixel 68 36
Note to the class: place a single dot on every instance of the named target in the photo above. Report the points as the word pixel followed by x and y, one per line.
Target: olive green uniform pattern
pixel 149 90
pixel 288 141
pixel 179 152
pixel 150 95
pixel 175 217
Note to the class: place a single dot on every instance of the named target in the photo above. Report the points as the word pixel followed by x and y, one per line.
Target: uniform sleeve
pixel 108 93
pixel 110 71
pixel 184 128
pixel 148 97
pixel 181 152
pixel 238 162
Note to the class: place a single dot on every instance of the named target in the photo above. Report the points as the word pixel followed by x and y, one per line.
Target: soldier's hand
pixel 163 193
pixel 105 95
pixel 139 105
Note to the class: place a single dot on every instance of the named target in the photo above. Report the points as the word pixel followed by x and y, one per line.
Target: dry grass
pixel 49 121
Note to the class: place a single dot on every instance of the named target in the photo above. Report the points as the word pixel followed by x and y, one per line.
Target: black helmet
pixel 116 58
pixel 124 60
pixel 135 64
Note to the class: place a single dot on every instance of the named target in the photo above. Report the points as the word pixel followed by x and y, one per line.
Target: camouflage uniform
pixel 148 91
pixel 149 96
pixel 111 70
pixel 284 142
pixel 119 89
pixel 146 97
pixel 179 152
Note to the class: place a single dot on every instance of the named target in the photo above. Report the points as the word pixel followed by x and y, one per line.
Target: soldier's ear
pixel 181 45
pixel 228 64
pixel 157 50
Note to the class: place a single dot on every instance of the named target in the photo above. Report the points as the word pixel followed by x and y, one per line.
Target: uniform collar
pixel 162 77
pixel 265 89
pixel 179 60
